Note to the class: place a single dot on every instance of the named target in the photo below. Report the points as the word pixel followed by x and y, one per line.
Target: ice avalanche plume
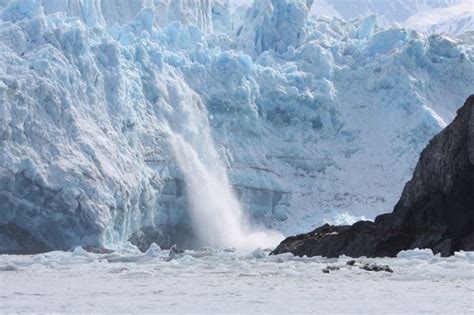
pixel 127 120
pixel 217 218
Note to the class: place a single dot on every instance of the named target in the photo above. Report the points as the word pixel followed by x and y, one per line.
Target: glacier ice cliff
pixel 314 120
pixel 453 17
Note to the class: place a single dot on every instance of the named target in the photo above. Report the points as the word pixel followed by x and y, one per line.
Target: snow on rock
pixel 456 19
pixel 314 120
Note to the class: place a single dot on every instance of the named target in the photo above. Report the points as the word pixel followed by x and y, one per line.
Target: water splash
pixel 216 214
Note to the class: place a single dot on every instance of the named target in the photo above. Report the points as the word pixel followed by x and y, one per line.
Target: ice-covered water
pixel 313 120
pixel 228 282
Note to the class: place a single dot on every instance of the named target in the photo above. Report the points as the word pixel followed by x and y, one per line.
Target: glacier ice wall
pixel 314 120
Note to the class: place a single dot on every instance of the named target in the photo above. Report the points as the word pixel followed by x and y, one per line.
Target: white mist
pixel 215 211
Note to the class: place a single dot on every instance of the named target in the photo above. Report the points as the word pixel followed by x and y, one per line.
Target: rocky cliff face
pixel 436 209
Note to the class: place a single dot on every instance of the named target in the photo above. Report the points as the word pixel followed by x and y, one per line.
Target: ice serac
pixel 108 13
pixel 275 25
pixel 321 122
pixel 436 209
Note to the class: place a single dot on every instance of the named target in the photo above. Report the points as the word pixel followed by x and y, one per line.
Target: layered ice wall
pixel 108 13
pixel 314 120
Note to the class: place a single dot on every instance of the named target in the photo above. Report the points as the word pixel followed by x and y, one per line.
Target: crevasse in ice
pixel 313 120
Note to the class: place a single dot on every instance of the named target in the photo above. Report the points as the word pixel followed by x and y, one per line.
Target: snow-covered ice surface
pixel 226 282
pixel 456 19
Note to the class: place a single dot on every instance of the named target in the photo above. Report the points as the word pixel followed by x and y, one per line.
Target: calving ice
pixel 216 216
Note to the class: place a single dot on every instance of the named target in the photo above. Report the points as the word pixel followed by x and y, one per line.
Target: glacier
pixel 453 17
pixel 311 120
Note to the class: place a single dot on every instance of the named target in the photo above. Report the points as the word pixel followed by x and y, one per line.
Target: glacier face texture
pixel 453 17
pixel 315 120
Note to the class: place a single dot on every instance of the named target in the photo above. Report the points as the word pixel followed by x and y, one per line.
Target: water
pixel 223 282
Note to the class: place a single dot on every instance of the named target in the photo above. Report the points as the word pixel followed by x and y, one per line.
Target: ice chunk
pixel 385 41
pixel 80 252
pixel 366 27
pixel 153 251
pixel 259 253
pixel 422 254
pixel 274 25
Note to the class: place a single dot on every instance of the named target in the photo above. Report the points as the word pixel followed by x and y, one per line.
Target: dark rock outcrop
pixel 436 209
